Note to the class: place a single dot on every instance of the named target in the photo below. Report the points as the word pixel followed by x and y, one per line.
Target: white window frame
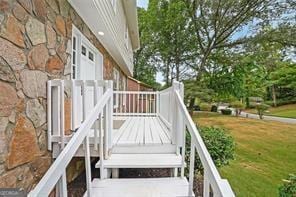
pixel 126 37
pixel 98 57
pixel 116 86
pixel 124 82
pixel 114 5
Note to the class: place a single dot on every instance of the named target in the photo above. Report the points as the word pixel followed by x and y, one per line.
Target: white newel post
pixel 174 113
pixel 108 132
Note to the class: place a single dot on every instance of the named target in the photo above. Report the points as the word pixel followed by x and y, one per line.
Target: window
pixel 116 87
pixel 91 56
pixel 83 50
pixel 124 88
pixel 126 36
pixel 113 3
pixel 74 57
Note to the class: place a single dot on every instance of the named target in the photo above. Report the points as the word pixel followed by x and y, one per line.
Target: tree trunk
pixel 273 95
pixel 191 104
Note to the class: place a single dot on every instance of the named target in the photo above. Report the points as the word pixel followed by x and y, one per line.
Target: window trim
pixel 114 5
pixel 126 37
pixel 98 56
pixel 116 78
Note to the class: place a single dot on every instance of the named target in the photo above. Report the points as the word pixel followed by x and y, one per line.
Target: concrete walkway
pixel 274 118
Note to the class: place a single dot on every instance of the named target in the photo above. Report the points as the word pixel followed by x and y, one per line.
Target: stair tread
pixel 166 187
pixel 142 161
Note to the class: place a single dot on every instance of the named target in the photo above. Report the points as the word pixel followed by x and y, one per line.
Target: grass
pixel 265 153
pixel 286 111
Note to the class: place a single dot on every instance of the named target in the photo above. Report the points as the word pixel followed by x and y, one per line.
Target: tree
pixel 216 22
pixel 171 38
pixel 144 67
pixel 285 76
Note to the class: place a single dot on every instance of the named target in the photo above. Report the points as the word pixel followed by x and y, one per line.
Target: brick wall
pixel 35 46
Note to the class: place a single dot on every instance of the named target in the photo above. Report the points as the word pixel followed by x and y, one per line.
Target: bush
pixel 239 106
pixel 281 102
pixel 205 107
pixel 261 108
pixel 219 144
pixel 288 189
pixel 214 108
pixel 226 111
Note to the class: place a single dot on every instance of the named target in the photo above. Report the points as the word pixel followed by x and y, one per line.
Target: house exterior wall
pixel 132 85
pixel 35 46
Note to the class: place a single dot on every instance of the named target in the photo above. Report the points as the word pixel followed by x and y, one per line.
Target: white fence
pixel 103 105
pixel 135 103
pixel 213 183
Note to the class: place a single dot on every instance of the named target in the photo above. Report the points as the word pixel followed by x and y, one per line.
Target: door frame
pixel 76 66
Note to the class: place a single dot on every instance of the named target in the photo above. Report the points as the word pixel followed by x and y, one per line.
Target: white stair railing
pixel 135 103
pixel 213 183
pixel 56 174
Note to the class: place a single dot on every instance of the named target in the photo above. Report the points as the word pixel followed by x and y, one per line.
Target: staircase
pixel 152 135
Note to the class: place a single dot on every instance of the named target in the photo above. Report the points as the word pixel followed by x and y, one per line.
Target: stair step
pixel 144 187
pixel 142 161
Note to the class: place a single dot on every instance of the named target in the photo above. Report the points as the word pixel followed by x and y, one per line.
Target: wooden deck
pixel 148 130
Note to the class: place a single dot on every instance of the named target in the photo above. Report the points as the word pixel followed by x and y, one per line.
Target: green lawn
pixel 287 111
pixel 265 153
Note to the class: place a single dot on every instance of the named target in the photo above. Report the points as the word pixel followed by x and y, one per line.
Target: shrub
pixel 205 107
pixel 261 108
pixel 214 108
pixel 226 111
pixel 219 144
pixel 280 102
pixel 239 106
pixel 288 189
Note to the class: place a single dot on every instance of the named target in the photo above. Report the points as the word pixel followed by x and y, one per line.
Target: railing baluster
pixel 87 166
pixel 96 122
pixel 206 184
pixel 191 167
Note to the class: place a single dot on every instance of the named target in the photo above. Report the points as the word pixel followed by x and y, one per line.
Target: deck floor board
pixel 142 131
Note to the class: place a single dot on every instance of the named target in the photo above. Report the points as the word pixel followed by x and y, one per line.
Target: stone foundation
pixel 35 46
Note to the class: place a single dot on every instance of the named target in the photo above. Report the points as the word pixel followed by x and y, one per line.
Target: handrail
pixel 49 180
pixel 219 186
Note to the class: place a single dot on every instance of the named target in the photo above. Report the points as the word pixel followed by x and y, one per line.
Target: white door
pixel 88 72
pixel 89 66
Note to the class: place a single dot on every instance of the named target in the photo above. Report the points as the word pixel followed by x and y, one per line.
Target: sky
pixel 142 3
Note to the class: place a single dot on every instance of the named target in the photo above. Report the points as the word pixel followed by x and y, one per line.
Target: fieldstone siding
pixel 35 46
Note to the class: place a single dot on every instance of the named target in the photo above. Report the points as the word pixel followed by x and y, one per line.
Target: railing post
pixel 61 188
pixel 86 144
pixel 49 115
pixel 174 114
pixel 108 130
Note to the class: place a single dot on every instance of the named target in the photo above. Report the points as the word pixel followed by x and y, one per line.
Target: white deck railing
pixel 135 103
pixel 95 116
pixel 212 179
pixel 56 174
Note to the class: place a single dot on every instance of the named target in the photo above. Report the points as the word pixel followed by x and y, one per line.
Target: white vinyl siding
pixel 118 25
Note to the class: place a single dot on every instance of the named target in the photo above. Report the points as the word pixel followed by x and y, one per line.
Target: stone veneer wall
pixel 35 46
